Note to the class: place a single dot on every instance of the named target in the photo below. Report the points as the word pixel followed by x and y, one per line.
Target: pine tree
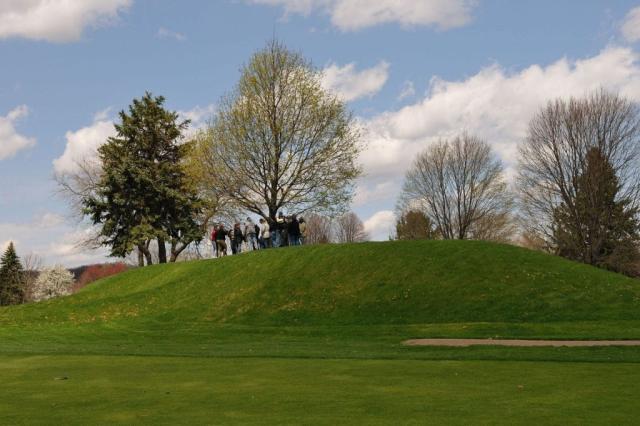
pixel 598 229
pixel 11 278
pixel 144 193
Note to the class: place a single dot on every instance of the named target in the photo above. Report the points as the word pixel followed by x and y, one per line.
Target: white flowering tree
pixel 52 282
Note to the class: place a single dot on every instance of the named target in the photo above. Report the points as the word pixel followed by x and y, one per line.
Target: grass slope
pixel 312 335
pixel 362 284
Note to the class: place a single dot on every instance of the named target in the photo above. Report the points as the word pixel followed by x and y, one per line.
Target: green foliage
pixel 279 335
pixel 598 229
pixel 280 141
pixel 414 225
pixel 11 278
pixel 144 193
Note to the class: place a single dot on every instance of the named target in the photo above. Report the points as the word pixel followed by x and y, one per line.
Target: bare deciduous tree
pixel 350 229
pixel 318 229
pixel 459 184
pixel 500 227
pixel 32 264
pixel 554 157
pixel 280 141
pixel 76 184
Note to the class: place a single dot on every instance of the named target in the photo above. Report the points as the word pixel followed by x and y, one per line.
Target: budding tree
pixel 280 141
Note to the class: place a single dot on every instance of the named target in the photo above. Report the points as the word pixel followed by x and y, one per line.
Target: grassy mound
pixel 391 283
pixel 314 333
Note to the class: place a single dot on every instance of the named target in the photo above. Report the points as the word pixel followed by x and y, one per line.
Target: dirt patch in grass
pixel 517 342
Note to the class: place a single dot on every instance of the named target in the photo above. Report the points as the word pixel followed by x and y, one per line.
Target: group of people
pixel 284 231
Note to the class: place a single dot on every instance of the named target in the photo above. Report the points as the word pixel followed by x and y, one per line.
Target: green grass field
pixel 312 335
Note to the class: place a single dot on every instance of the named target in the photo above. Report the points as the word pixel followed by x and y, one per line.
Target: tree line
pixel 26 280
pixel 280 142
pixel 576 191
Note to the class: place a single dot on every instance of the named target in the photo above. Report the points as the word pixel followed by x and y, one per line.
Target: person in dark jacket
pixel 236 239
pixel 281 228
pixel 273 229
pixel 221 244
pixel 294 231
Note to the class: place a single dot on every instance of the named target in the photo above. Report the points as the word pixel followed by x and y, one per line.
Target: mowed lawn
pixel 174 390
pixel 313 335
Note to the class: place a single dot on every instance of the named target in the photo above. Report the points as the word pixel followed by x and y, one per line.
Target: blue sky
pixel 411 70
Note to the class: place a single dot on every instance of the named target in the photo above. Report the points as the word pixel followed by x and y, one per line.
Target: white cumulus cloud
pixel 631 26
pixel 10 140
pixel 56 20
pixel 199 116
pixel 380 225
pixel 368 192
pixel 48 236
pixel 350 84
pixel 494 104
pixel 82 145
pixel 353 15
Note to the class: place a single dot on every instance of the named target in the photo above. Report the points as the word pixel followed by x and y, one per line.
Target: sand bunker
pixel 517 342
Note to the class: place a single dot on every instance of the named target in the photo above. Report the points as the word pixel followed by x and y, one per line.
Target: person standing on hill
pixel 281 229
pixel 236 239
pixel 303 230
pixel 273 230
pixel 294 231
pixel 265 234
pixel 285 231
pixel 251 234
pixel 221 244
pixel 214 250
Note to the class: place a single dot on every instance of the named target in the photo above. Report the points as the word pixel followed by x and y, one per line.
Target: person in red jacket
pixel 214 250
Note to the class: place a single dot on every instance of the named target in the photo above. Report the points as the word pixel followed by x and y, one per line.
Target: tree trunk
pixel 140 256
pixel 176 249
pixel 147 253
pixel 162 251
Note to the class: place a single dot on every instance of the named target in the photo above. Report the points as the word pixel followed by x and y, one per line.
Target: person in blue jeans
pixel 273 230
pixel 294 231
pixel 281 230
pixel 265 234
pixel 251 234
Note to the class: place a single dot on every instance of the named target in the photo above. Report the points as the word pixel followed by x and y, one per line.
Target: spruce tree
pixel 144 193
pixel 599 228
pixel 11 278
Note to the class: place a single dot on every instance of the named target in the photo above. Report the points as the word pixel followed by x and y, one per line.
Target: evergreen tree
pixel 414 225
pixel 11 278
pixel 144 194
pixel 598 228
